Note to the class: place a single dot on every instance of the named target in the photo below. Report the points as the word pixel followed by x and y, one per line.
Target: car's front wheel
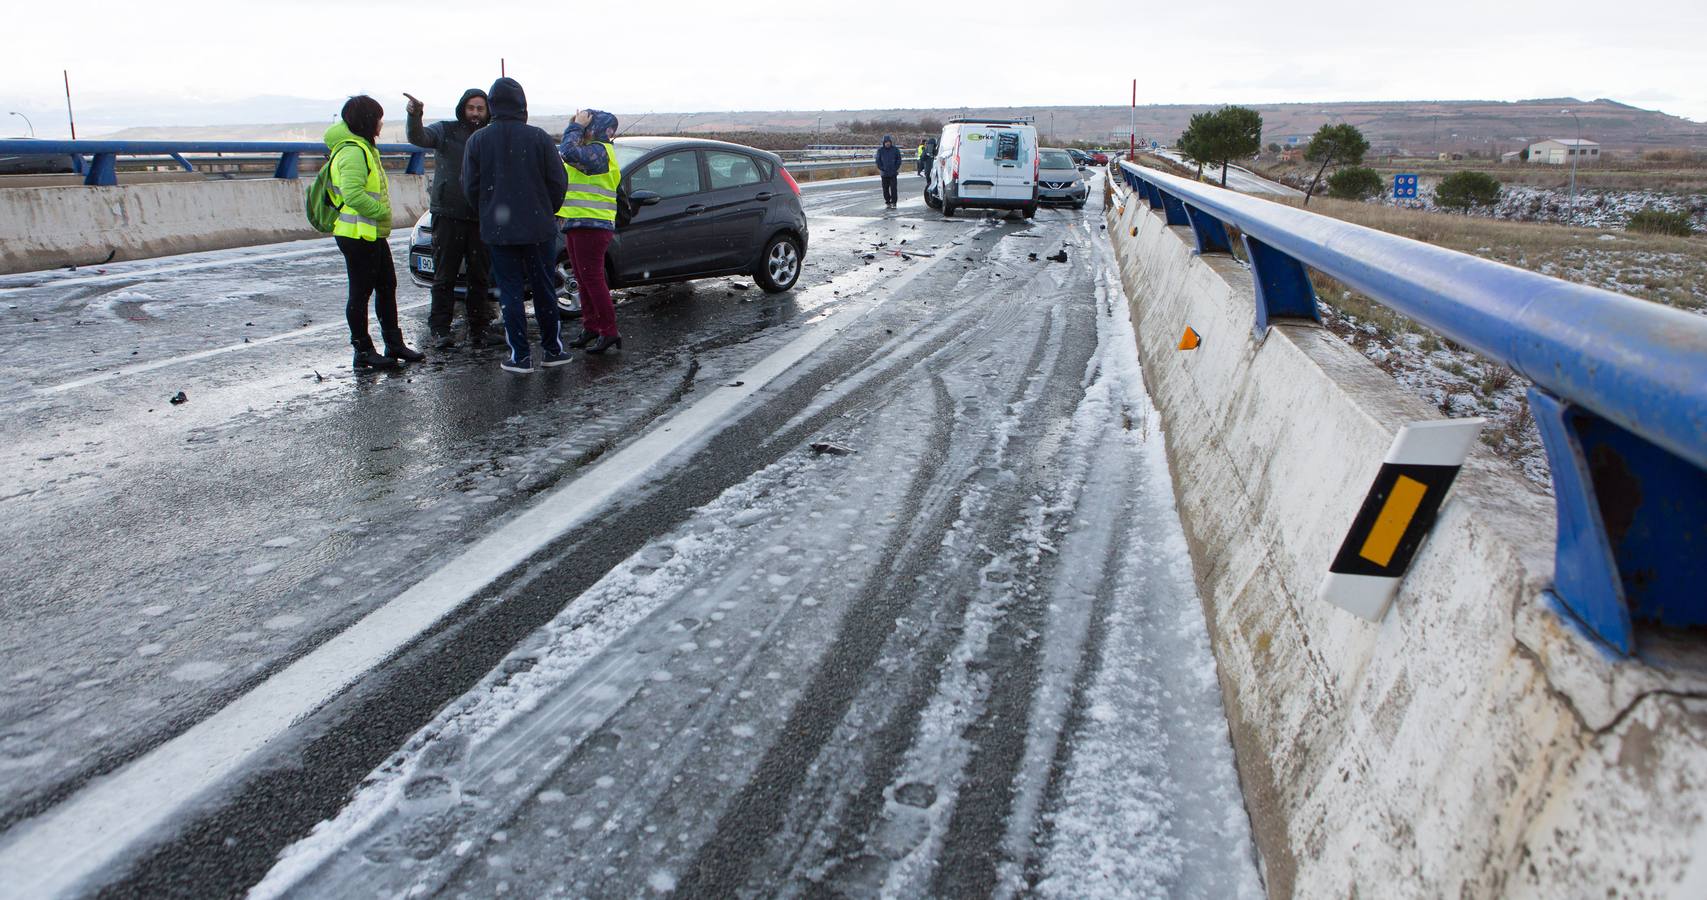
pixel 568 289
pixel 779 266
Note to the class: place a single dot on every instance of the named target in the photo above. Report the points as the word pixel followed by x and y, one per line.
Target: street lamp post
pixel 26 122
pixel 1574 152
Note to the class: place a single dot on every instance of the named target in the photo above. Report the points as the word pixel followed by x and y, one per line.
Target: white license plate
pixel 424 263
pixel 977 189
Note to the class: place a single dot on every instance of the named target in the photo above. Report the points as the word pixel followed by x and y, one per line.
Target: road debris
pixel 1059 257
pixel 830 447
pixel 179 398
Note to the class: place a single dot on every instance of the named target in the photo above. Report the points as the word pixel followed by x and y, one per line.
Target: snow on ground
pixel 705 638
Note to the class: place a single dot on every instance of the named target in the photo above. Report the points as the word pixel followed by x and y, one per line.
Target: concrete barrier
pixel 49 227
pixel 1472 744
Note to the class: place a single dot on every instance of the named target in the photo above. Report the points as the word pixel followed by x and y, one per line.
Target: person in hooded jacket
pixel 362 196
pixel 589 221
pixel 456 228
pixel 889 166
pixel 512 174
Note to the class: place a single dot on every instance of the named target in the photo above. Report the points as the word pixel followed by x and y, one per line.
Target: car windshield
pixel 625 156
pixel 1056 159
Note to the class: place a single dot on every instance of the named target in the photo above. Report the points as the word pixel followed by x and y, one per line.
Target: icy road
pixel 612 629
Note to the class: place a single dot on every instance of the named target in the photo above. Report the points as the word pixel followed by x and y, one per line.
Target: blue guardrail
pixel 101 167
pixel 1619 395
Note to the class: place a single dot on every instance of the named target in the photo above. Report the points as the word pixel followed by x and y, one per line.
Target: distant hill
pixel 1419 126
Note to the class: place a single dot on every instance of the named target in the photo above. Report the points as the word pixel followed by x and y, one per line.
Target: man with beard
pixel 456 225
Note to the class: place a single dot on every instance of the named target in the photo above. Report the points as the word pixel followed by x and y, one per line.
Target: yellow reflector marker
pixel 1395 516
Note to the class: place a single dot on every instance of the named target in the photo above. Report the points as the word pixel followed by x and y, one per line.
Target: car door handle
pixel 695 209
pixel 764 195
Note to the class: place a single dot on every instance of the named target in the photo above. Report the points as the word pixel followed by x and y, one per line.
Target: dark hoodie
pixel 888 158
pixel 584 149
pixel 447 139
pixel 512 174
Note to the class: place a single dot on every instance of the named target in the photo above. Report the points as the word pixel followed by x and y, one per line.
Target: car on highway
pixel 985 164
pixel 693 209
pixel 1097 157
pixel 1059 180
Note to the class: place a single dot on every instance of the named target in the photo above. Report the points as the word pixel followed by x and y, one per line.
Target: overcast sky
pixel 130 67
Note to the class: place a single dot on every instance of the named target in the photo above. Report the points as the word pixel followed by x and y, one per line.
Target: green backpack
pixel 322 213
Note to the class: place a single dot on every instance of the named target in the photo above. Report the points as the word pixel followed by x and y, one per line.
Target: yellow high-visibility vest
pixel 352 224
pixel 592 196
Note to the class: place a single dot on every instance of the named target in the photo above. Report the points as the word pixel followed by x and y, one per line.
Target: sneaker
pixel 549 359
pixel 522 367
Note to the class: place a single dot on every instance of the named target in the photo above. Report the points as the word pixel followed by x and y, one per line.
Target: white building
pixel 1560 151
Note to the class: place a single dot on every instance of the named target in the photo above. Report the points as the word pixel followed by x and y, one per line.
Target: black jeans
pixel 456 241
pixel 371 273
pixel 890 189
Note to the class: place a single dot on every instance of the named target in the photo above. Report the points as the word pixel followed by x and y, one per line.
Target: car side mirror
pixel 645 198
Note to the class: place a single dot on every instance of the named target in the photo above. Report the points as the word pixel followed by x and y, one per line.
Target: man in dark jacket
pixel 456 233
pixel 512 174
pixel 889 166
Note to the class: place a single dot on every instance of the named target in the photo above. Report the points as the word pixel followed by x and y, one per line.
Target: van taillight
pixel 793 185
pixel 956 175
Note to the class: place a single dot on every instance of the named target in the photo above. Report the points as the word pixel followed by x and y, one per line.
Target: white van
pixel 985 164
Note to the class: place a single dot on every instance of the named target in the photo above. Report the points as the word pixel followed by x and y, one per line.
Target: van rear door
pixel 1000 160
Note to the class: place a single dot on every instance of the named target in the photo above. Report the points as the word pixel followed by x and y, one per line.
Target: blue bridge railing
pixel 1619 395
pixel 101 167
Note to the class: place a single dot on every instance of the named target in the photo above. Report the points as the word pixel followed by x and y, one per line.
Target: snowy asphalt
pixel 965 659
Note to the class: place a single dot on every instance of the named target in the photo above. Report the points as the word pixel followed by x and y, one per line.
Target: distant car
pixel 1080 157
pixel 1098 157
pixel 1058 180
pixel 700 209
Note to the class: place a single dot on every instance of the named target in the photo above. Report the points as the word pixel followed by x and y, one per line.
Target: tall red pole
pixel 68 115
pixel 1132 133
pixel 501 72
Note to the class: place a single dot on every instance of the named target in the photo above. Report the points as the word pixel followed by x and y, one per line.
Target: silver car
pixel 1058 180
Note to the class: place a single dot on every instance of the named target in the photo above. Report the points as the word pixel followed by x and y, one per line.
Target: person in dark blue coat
pixel 512 174
pixel 889 166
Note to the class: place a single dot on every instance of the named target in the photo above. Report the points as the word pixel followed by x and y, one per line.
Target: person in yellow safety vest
pixel 362 195
pixel 589 221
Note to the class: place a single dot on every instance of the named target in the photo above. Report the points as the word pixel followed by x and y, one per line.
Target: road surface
pixel 616 628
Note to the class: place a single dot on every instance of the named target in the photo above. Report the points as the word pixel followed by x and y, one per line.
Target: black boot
pixel 404 352
pixel 584 338
pixel 367 359
pixel 603 343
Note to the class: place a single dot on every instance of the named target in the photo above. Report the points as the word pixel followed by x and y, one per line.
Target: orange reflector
pixel 1395 517
pixel 1189 340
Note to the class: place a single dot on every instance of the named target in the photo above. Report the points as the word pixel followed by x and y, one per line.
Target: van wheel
pixel 932 202
pixel 779 266
pixel 948 207
pixel 1029 211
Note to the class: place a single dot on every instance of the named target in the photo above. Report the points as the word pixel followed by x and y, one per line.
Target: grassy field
pixel 1686 175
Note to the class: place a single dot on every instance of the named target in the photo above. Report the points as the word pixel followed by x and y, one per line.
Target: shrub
pixel 1464 190
pixel 1659 221
pixel 1355 183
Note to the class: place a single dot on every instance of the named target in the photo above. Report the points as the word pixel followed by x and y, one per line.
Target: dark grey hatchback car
pixel 701 209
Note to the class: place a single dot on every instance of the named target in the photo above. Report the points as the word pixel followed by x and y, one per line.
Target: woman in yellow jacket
pixel 363 198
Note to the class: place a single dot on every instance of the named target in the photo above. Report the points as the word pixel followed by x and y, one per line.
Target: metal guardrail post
pixel 103 170
pixel 1173 210
pixel 288 165
pixel 1282 286
pixel 1620 395
pixel 180 160
pixel 417 164
pixel 1210 234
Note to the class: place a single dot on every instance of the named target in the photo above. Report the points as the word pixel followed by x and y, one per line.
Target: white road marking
pixel 65 849
pixel 140 368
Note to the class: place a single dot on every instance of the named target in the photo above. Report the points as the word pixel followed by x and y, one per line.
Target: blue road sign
pixel 1154 145
pixel 1404 187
